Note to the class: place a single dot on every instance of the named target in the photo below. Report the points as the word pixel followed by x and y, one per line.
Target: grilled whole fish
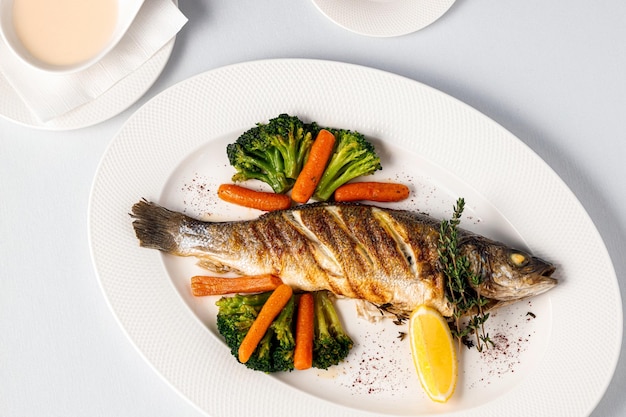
pixel 387 257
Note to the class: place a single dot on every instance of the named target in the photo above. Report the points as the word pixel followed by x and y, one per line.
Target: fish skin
pixel 384 256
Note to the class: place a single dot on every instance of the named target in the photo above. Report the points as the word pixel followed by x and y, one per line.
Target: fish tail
pixel 156 226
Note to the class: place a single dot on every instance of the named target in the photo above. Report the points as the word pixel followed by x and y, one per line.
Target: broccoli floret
pixel 353 156
pixel 285 343
pixel 274 152
pixel 331 344
pixel 242 303
pixel 293 139
pixel 275 351
pixel 253 159
pixel 261 359
pixel 235 316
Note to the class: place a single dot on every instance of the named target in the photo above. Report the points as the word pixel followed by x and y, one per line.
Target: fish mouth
pixel 543 280
pixel 547 272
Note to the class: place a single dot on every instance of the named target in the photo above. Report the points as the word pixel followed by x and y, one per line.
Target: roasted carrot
pixel 372 191
pixel 272 307
pixel 314 167
pixel 259 200
pixel 303 352
pixel 211 285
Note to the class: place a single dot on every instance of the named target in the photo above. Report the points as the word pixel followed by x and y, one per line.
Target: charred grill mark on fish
pixel 388 257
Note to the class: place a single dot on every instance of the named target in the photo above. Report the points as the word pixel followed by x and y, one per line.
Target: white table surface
pixel 553 73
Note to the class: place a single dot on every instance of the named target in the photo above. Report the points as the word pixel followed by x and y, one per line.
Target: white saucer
pixel 383 18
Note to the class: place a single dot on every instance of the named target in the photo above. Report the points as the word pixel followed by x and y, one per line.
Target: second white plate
pixel 383 18
pixel 111 103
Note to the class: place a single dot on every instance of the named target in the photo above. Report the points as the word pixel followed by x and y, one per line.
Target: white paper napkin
pixel 51 95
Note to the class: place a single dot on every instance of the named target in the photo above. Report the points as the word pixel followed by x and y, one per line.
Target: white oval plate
pixel 383 18
pixel 172 151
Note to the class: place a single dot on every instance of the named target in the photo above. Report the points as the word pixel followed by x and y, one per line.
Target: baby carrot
pixel 253 199
pixel 211 285
pixel 372 191
pixel 314 167
pixel 272 307
pixel 303 352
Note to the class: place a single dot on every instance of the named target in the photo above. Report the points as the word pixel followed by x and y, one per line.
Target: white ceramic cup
pixel 126 12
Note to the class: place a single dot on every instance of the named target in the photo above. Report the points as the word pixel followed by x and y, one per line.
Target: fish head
pixel 506 273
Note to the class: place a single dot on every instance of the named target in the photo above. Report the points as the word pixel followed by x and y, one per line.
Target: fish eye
pixel 518 259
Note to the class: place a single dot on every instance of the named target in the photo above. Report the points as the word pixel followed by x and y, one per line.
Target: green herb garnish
pixel 468 314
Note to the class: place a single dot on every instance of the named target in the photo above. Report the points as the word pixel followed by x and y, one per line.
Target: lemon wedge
pixel 434 353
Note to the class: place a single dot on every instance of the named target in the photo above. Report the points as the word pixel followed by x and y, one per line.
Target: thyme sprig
pixel 468 315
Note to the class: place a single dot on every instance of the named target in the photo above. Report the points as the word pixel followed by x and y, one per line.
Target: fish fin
pixel 216 266
pixel 156 226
